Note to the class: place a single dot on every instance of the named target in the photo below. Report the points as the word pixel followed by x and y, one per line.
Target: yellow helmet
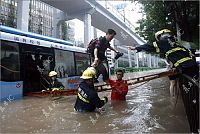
pixel 52 73
pixel 89 73
pixel 162 32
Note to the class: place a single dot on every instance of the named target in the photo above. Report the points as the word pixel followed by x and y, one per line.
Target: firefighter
pixel 119 87
pixel 180 57
pixel 54 84
pixel 87 98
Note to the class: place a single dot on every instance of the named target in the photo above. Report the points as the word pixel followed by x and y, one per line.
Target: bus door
pixel 36 62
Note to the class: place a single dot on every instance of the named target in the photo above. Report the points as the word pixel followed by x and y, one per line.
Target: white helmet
pixel 52 73
pixel 162 34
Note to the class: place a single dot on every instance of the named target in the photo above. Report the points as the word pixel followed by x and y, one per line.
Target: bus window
pixel 82 62
pixel 10 67
pixel 64 63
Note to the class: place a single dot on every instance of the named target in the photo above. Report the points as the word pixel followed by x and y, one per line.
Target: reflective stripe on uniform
pixel 83 99
pixel 182 60
pixel 173 50
pixel 156 46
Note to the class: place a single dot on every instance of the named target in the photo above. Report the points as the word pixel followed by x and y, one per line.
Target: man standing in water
pixel 87 98
pixel 119 87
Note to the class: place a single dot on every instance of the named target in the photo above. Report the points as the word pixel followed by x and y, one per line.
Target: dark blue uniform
pixel 187 66
pixel 55 84
pixel 177 54
pixel 87 98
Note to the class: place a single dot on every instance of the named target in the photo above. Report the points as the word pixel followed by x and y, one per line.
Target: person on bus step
pixel 180 57
pixel 98 54
pixel 87 97
pixel 54 84
pixel 119 87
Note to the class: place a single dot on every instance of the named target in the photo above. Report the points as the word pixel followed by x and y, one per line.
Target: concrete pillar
pixel 157 61
pixel 153 61
pixel 117 64
pixel 149 60
pixel 136 59
pixel 129 58
pixel 143 59
pixel 95 32
pixel 23 14
pixel 87 28
pixel 155 57
pixel 115 43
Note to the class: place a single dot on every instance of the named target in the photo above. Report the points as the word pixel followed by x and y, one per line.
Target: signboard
pixel 14 89
pixel 70 83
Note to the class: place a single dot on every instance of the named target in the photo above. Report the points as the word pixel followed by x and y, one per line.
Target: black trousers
pixel 103 68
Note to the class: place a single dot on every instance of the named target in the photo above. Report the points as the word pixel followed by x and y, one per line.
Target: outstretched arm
pixel 111 48
pixel 145 47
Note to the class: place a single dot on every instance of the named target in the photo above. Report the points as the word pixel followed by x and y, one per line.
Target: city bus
pixel 27 58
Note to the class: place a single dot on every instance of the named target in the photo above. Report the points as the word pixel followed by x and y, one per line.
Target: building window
pixel 39 17
pixel 8 13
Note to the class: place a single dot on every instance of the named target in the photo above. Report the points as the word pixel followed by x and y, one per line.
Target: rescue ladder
pixel 102 87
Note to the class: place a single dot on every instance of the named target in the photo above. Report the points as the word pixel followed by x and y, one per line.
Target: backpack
pixel 91 46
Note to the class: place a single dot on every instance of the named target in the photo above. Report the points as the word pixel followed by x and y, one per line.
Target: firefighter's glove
pixel 118 55
pixel 61 88
pixel 55 89
pixel 105 99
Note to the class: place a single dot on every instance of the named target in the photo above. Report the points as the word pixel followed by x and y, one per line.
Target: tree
pixel 11 20
pixel 170 14
pixel 65 27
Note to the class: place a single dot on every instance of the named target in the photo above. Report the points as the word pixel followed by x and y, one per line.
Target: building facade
pixel 8 13
pixel 41 18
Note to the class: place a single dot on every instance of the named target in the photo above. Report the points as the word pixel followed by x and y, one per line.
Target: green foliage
pixel 167 14
pixel 65 28
pixel 123 63
pixel 133 69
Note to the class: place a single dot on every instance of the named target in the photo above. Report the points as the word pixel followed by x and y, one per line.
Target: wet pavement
pixel 148 109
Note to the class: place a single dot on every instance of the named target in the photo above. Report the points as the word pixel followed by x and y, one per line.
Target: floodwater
pixel 148 109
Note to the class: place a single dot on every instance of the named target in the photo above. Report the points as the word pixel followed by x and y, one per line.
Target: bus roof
pixel 38 42
pixel 33 35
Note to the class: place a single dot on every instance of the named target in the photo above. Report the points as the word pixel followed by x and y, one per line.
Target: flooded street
pixel 149 108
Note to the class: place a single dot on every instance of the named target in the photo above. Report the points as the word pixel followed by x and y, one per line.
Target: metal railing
pixel 190 96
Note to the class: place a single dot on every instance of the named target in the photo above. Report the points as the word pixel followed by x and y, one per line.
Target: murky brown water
pixel 148 109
